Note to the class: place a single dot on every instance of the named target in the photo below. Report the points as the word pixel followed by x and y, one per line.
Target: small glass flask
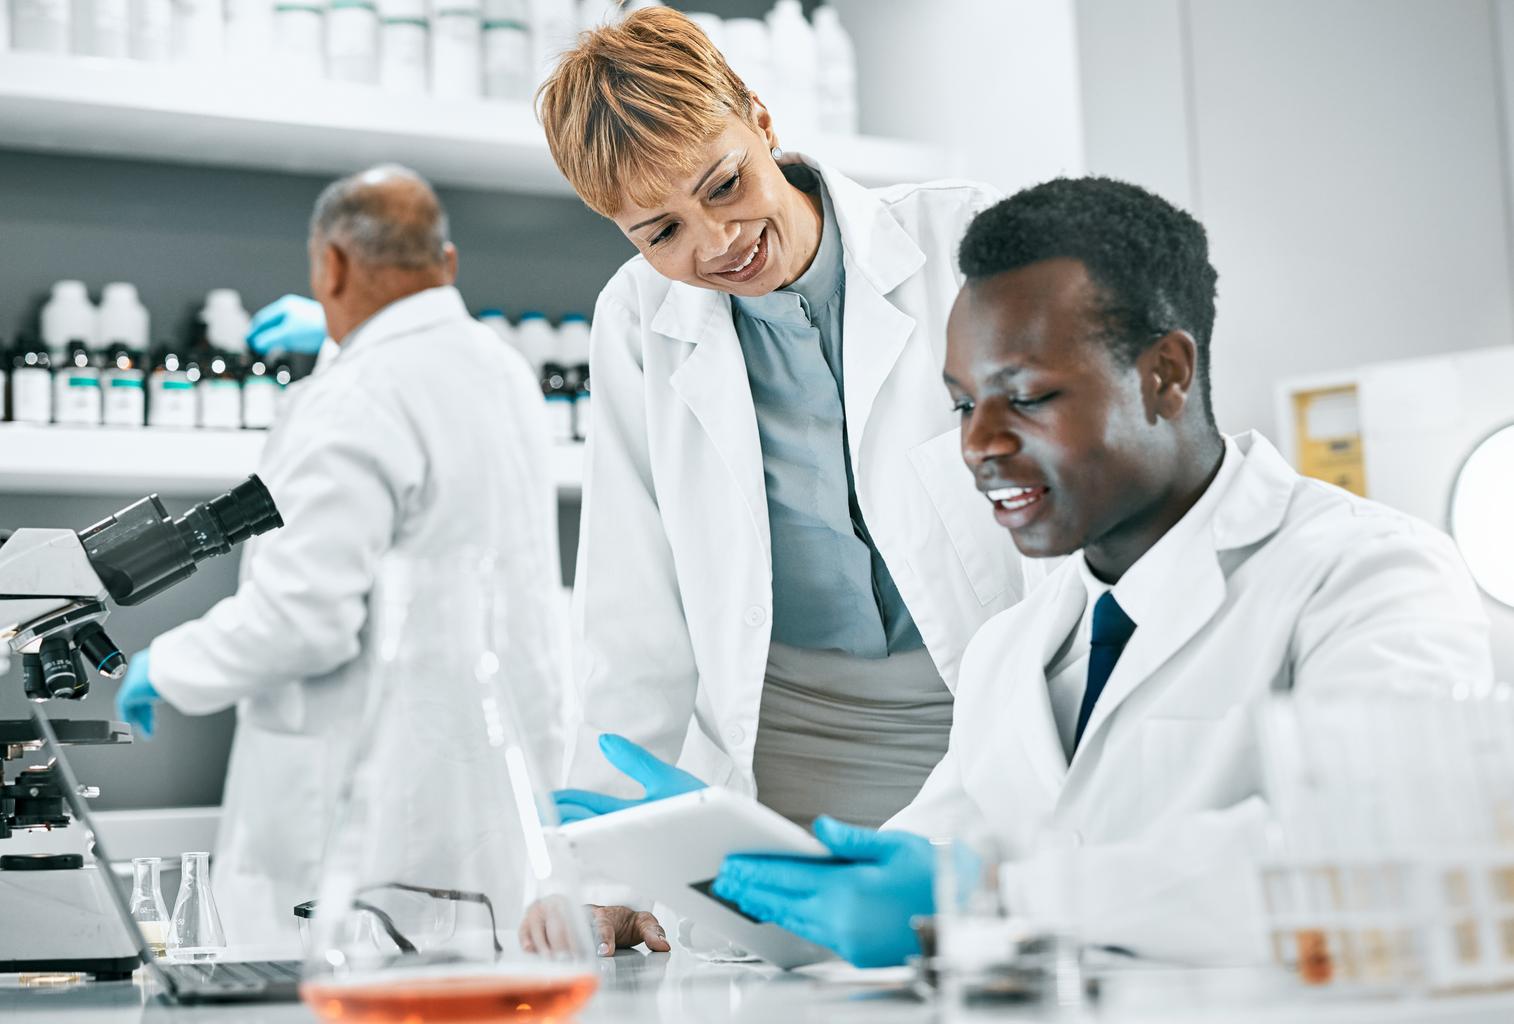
pixel 196 932
pixel 147 903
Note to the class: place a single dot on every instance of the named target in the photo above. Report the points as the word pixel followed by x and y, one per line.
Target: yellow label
pixel 1328 429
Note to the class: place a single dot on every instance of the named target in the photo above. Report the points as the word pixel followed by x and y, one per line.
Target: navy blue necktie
pixel 1111 632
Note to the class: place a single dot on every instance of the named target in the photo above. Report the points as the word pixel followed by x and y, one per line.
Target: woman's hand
pixel 546 929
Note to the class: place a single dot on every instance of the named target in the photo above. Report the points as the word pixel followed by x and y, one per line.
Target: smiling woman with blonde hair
pixel 782 554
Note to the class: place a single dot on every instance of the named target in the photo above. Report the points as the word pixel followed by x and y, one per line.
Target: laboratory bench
pixel 638 988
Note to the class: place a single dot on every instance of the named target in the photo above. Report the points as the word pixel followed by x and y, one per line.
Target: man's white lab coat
pixel 425 434
pixel 1296 584
pixel 673 597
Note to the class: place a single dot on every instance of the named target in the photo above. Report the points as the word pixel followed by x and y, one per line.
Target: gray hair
pixel 382 226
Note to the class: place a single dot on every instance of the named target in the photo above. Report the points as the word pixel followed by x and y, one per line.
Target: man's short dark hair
pixel 1149 259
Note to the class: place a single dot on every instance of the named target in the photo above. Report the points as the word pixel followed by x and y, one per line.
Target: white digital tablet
pixel 671 850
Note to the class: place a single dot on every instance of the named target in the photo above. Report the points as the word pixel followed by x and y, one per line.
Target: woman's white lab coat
pixel 673 597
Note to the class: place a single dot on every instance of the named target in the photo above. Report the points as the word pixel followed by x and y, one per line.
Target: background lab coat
pixel 1296 584
pixel 423 434
pixel 672 602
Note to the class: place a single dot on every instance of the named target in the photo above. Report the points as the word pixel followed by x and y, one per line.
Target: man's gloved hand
pixel 291 324
pixel 860 908
pixel 136 697
pixel 660 780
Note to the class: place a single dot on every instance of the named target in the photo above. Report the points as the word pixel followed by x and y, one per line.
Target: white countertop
pixel 640 988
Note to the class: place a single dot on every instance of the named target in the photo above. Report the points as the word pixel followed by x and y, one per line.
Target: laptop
pixel 213 981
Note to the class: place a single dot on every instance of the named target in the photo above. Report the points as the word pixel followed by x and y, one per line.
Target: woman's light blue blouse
pixel 831 588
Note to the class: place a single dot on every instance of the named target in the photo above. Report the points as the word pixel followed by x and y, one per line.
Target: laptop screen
pixel 76 806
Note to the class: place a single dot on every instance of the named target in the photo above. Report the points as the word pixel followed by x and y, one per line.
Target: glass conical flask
pixel 196 932
pixel 147 907
pixel 439 846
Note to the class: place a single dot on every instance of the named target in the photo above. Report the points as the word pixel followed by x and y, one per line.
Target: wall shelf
pixel 252 117
pixel 176 463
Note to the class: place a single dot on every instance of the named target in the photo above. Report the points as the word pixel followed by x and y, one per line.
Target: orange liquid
pixel 454 999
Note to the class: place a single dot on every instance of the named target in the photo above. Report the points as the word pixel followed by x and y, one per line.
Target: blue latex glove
pixel 136 697
pixel 859 908
pixel 660 780
pixel 291 324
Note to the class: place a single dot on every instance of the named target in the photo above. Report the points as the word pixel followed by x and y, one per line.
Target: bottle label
pixel 221 405
pixel 125 401
pixel 171 402
pixel 260 402
pixel 77 400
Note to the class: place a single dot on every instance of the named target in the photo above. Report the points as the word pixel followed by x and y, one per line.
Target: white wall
pixel 994 80
pixel 1346 157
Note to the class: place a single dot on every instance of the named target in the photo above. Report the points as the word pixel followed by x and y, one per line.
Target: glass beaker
pixel 147 907
pixel 196 932
pixel 443 834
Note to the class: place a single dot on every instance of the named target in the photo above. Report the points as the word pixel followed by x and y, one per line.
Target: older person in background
pixel 419 434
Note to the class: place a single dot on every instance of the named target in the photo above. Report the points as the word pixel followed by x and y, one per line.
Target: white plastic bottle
pixel 554 26
pixel 68 315
pixel 299 33
pixel 573 339
pixel 40 26
pixel 123 319
pixel 507 50
pixel 352 41
pixel 107 33
pixel 837 60
pixel 457 50
pixel 197 31
pixel 404 46
pixel 495 320
pixel 151 30
pixel 795 82
pixel 249 31
pixel 536 339
pixel 226 320
pixel 748 50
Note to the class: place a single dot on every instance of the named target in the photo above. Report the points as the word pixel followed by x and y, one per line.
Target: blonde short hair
pixel 627 110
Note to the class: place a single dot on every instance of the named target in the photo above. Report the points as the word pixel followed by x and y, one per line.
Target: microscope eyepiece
pixel 141 551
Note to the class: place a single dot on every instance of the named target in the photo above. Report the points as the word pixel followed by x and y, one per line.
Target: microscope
pixel 55 914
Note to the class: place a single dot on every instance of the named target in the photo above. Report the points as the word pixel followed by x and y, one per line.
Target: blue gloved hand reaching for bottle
pixel 292 324
pixel 660 780
pixel 136 698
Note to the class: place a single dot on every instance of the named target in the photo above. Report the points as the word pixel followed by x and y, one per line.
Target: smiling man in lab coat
pixel 419 434
pixel 1105 725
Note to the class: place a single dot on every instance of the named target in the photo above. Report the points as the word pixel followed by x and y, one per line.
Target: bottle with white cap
pixel 838 74
pixel 508 71
pixel 150 29
pixel 123 319
pixel 220 385
pixel 249 30
pixel 68 316
pixel 352 41
pixel 197 32
pixel 40 26
pixel 535 339
pixel 748 49
pixel 795 83
pixel 457 49
pixel 404 46
pixel 554 27
pixel 299 32
pixel 495 320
